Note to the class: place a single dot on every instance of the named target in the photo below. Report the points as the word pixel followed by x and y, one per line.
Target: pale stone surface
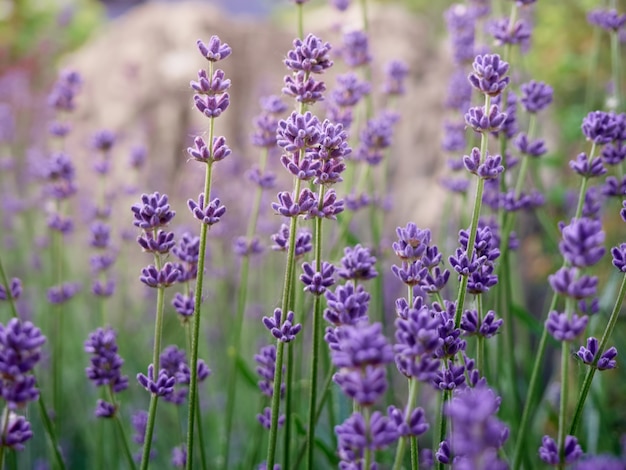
pixel 137 72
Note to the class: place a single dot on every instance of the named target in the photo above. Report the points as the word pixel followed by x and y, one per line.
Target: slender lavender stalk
pixel 211 100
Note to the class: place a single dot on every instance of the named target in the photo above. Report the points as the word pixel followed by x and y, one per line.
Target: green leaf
pixel 330 454
pixel 246 372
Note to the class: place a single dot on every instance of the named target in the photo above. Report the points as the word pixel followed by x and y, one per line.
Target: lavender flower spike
pixel 14 290
pixel 163 385
pixel 549 452
pixel 563 328
pixel 481 121
pixel 588 355
pixel 215 50
pixel 285 331
pixel 489 74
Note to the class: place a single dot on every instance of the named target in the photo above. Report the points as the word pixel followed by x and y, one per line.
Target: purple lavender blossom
pixel 212 106
pixel 619 257
pixel 609 20
pixel 161 386
pixel 600 127
pixel 374 139
pixel 62 96
pixel 284 331
pixel 487 327
pixel 138 156
pixel 518 34
pixel 298 132
pixel 549 452
pixel 202 153
pixel 317 282
pixel 104 409
pixel 216 85
pixel 461 25
pixel 303 241
pixel 289 205
pixel 450 377
pixel 454 137
pixel 265 418
pixel 266 369
pixel 179 456
pixel 157 278
pixel 396 72
pixel 357 263
pixel 535 148
pixel 161 242
pixel 567 282
pixel 103 140
pixel 347 305
pixel 590 355
pixel 582 242
pixel 536 96
pixel 62 293
pixel 564 328
pixel 305 89
pixel 153 212
pixel 17 431
pixel 586 168
pixel 491 168
pixel 12 291
pixel 244 247
pixel 476 433
pixel 350 90
pixel 354 437
pixel 489 74
pixel 444 453
pixel 414 425
pixel 614 187
pixel 509 127
pixel 310 55
pixel 480 121
pixel 209 214
pixel 103 288
pixel 106 363
pixel 614 153
pixel 215 50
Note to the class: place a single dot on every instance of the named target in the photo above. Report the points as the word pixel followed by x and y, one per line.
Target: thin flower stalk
pixel 608 331
pixel 563 397
pixel 287 289
pixel 317 337
pixel 241 307
pixel 474 224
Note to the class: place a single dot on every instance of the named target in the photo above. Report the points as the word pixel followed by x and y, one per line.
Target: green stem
pixel 583 185
pixel 5 424
pixel 147 443
pixel 480 346
pixel 478 200
pixel 47 424
pixel 120 427
pixel 300 14
pixel 288 398
pixel 400 450
pixel 616 63
pixel 195 334
pixel 563 398
pixel 608 331
pixel 317 330
pixel 441 424
pixel 289 270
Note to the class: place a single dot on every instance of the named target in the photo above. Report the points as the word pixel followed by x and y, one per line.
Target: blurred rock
pixel 136 82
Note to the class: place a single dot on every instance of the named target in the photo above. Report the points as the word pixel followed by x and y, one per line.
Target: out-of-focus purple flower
pixel 244 247
pixel 13 291
pixel 476 433
pixel 549 451
pixel 489 74
pixel 396 72
pixel 622 213
pixel 62 96
pixel 106 363
pixel 347 305
pixel 599 462
pixel 619 257
pixel 503 33
pixel 100 234
pixel 453 137
pixel 104 409
pixel 264 180
pixel 188 248
pixel 317 282
pixel 355 50
pixel 536 96
pixel 183 304
pixel 461 25
pixel 164 277
pixel 101 262
pixel 179 456
pixel 455 185
pixel 341 5
pixel 58 223
pixel 563 328
pixel 266 368
pixel 284 331
pixel 414 425
pixel 215 50
pixel 480 121
pixel 154 211
pixel 444 453
pixel 582 242
pixel 209 214
pixel 592 356
pixel 163 385
pixel 17 431
pixel 265 418
pixel 609 20
pixel 354 436
pixel 360 345
pixel 103 288
pixel 566 282
pixel 138 156
pixel 310 55
pixel 614 153
pixel 534 148
pixel 62 293
pixel 103 140
pixel 357 263
pixel 509 128
pixel 487 327
pixel 586 168
pixel 614 187
pixel 600 127
pixel 589 306
pixel 374 139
